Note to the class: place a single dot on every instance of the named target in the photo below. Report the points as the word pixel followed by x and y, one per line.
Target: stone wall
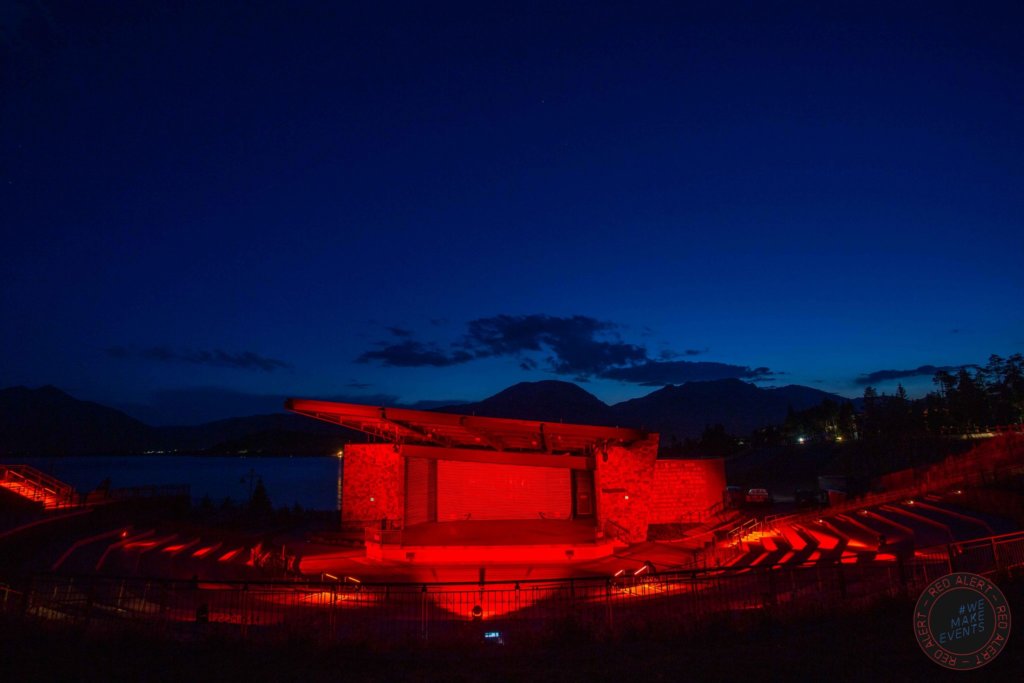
pixel 684 489
pixel 632 487
pixel 624 483
pixel 374 482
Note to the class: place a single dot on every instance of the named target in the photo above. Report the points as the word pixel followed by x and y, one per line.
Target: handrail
pixel 40 486
pixel 617 531
pixel 710 511
pixel 29 473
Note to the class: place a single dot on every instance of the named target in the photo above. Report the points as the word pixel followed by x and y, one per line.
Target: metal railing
pixel 681 601
pixel 38 486
pixel 746 528
pixel 983 555
pixel 617 532
pixel 348 609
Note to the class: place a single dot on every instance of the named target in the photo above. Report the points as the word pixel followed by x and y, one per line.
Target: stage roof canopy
pixel 402 425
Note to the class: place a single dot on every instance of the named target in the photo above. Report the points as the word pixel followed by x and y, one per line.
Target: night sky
pixel 207 209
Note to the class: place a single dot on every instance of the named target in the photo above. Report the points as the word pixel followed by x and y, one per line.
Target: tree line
pixel 969 400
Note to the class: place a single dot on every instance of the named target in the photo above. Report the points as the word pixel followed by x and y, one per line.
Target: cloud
pixel 575 343
pixel 668 354
pixel 578 346
pixel 660 373
pixel 400 332
pixel 413 354
pixel 885 375
pixel 241 360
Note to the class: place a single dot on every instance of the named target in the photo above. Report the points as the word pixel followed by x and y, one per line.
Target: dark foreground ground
pixel 871 646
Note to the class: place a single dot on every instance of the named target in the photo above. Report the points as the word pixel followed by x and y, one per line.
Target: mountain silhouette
pixel 47 421
pixel 684 411
pixel 546 401
pixel 50 422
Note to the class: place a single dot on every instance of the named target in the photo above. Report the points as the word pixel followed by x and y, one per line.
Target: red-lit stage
pixel 492 541
pixel 438 488
pixel 511 532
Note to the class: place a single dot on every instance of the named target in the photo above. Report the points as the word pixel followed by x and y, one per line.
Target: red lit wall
pixel 472 490
pixel 373 482
pixel 685 489
pixel 624 483
pixel 417 491
pixel 632 488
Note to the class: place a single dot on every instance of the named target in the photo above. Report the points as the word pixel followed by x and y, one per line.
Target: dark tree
pixel 259 504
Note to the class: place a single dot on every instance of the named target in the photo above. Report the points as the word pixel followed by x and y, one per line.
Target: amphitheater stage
pixel 491 541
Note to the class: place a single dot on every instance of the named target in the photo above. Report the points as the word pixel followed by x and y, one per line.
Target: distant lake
pixel 312 482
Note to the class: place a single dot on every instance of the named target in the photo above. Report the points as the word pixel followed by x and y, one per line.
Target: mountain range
pixel 683 411
pixel 48 421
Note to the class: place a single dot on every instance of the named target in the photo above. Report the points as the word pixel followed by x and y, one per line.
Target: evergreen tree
pixel 260 504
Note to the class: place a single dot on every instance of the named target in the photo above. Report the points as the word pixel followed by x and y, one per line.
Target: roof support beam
pixel 571 462
pixel 492 441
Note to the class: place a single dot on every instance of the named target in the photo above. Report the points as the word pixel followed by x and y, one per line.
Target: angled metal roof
pixel 402 425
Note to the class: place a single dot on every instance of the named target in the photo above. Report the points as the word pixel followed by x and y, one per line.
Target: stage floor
pixel 503 532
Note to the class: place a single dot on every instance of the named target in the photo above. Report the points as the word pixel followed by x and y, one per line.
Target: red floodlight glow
pixel 229 555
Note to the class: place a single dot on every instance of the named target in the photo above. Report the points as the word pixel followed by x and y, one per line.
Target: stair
pixel 30 483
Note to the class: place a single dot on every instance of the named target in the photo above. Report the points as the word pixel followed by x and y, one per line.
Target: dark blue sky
pixel 206 209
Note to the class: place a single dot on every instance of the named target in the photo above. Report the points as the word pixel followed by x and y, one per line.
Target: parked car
pixel 758 497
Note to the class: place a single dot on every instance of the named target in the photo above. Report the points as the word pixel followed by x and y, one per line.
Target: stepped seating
pixel 133 553
pixel 924 531
pixel 859 537
pixel 976 523
pixel 960 527
pixel 1000 525
pixel 880 533
pixel 805 547
pixel 776 548
pixel 830 547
